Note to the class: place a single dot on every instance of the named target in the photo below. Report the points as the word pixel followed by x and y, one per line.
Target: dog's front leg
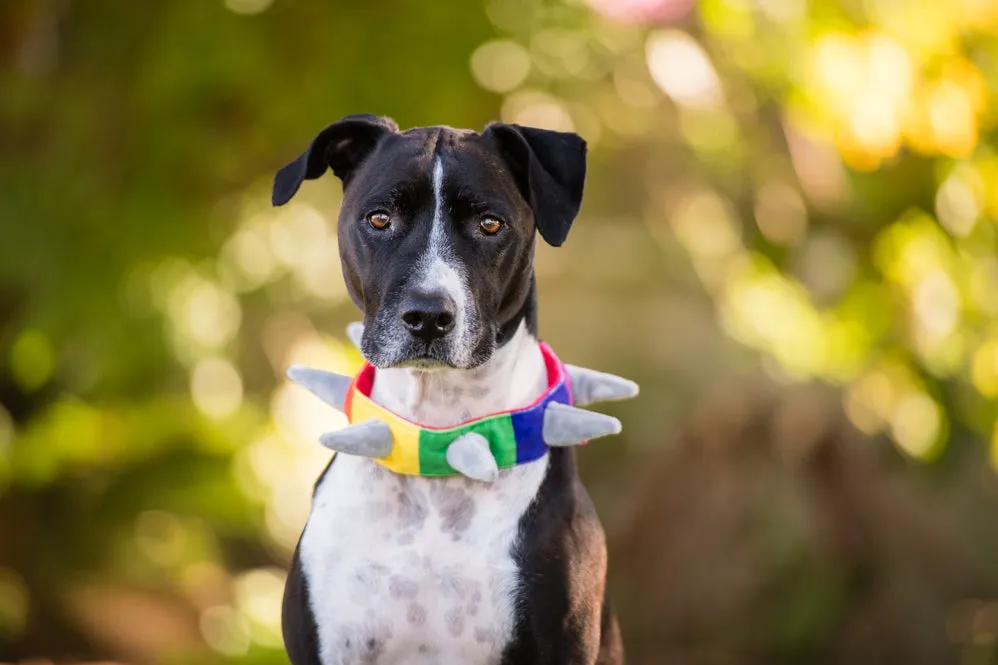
pixel 566 625
pixel 573 640
pixel 563 617
pixel 298 626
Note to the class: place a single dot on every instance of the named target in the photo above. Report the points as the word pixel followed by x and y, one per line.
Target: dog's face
pixel 437 228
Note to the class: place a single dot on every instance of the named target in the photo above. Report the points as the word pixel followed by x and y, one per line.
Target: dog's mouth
pixel 424 364
pixel 424 361
pixel 423 357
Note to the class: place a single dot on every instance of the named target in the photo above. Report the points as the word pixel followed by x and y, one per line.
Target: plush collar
pixel 477 448
pixel 515 436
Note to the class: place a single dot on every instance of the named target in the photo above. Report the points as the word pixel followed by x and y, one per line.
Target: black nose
pixel 428 316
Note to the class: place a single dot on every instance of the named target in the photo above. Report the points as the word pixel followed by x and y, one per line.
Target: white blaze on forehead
pixel 438 239
pixel 439 270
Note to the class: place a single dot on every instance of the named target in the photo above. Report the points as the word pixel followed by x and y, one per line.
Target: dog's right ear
pixel 342 147
pixel 550 170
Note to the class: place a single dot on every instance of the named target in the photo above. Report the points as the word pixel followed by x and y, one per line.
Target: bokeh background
pixel 789 239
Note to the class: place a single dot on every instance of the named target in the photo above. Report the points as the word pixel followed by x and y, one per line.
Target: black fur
pixel 298 626
pixel 532 180
pixel 341 146
pixel 550 170
pixel 563 616
pixel 301 639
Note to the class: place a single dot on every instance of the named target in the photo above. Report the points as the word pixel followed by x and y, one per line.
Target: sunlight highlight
pixel 959 201
pixel 248 256
pixel 258 595
pixel 500 66
pixel 32 359
pixel 865 82
pixel 869 401
pixel 763 309
pixel 780 213
pixel 225 630
pixel 216 387
pixel 681 69
pixel 984 369
pixel 936 304
pixel 537 109
pixel 642 10
pixel 916 426
pixel 248 7
pixel 705 224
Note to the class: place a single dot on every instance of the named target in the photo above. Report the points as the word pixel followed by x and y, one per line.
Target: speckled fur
pixel 429 560
pixel 448 571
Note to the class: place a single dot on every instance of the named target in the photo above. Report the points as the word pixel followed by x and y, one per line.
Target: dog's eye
pixel 379 220
pixel 489 225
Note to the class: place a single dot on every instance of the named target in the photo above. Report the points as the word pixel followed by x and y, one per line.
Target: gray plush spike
pixel 470 454
pixel 589 386
pixel 566 425
pixel 354 332
pixel 330 388
pixel 371 438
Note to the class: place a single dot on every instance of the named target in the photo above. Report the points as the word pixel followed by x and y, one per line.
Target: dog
pixel 437 232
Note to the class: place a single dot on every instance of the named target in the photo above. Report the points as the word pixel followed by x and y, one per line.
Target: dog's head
pixel 436 229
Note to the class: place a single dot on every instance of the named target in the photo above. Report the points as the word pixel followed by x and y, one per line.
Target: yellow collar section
pixel 515 437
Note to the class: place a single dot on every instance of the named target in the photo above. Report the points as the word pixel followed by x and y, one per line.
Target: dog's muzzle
pixel 428 316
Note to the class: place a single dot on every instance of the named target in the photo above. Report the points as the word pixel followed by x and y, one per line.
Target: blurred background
pixel 789 239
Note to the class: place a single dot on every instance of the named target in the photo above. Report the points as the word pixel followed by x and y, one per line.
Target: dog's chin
pixel 419 362
pixel 432 357
pixel 424 364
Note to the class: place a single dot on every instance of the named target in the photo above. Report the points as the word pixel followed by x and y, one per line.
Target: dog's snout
pixel 428 316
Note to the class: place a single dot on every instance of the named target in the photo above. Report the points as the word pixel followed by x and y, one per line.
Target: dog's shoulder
pixel 322 476
pixel 297 621
pixel 561 555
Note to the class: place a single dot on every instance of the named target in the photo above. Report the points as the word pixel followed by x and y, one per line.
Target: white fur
pixel 513 377
pixel 420 570
pixel 439 270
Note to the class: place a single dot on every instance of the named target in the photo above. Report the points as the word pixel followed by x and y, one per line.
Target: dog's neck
pixel 514 377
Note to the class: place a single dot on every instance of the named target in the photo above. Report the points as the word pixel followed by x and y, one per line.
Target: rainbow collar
pixel 514 437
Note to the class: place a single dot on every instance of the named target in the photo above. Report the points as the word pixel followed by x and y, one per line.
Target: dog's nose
pixel 428 316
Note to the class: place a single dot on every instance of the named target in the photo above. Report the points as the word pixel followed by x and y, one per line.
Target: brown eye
pixel 490 225
pixel 379 220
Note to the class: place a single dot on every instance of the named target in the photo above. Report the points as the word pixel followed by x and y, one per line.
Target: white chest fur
pixel 406 569
pixel 414 570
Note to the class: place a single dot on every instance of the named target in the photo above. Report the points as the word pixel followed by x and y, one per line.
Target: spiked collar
pixel 476 448
pixel 513 437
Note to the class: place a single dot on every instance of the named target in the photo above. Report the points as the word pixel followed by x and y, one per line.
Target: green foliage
pixel 781 194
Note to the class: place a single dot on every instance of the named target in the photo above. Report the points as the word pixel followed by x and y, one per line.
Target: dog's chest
pixel 405 569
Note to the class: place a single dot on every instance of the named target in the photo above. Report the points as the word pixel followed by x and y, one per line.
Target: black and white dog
pixel 436 235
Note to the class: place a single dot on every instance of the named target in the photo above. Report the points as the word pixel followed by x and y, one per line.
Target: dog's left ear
pixel 550 170
pixel 342 147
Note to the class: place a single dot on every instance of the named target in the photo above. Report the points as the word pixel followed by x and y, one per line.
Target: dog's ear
pixel 550 170
pixel 342 147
